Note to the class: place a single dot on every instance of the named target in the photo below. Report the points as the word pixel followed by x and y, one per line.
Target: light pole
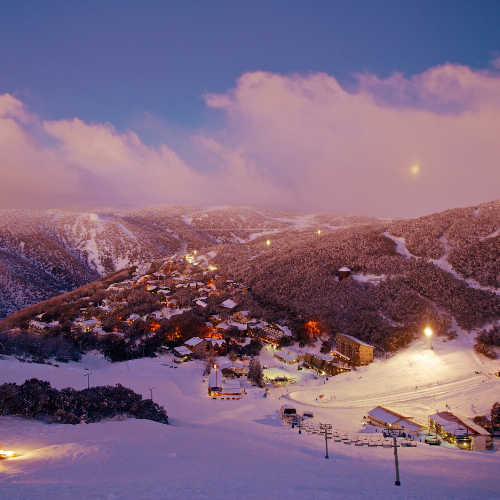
pixel 151 389
pixel 88 379
pixel 428 332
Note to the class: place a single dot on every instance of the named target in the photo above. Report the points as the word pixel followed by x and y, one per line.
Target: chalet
pixel 172 303
pixel 229 304
pixel 201 303
pixel 289 355
pixel 239 368
pixel 214 319
pixel 388 419
pixel 222 327
pixel 132 318
pixel 38 325
pixel 197 346
pixel 271 334
pixel 101 333
pixel 323 364
pixel 241 317
pixel 88 324
pixel 182 353
pixel 216 347
pixel 460 431
pixel 344 273
pixel 359 352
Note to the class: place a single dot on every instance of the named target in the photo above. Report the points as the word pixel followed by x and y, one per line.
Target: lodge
pixel 38 325
pixel 460 431
pixel 271 334
pixel 388 419
pixel 359 352
pixel 323 364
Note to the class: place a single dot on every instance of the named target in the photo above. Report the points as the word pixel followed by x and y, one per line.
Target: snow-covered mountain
pixel 46 252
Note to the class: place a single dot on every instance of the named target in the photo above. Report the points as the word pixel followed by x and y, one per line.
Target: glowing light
pixel 268 242
pixel 7 454
pixel 415 169
pixel 428 332
pixel 319 232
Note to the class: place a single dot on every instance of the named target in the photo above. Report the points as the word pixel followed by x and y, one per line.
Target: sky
pixel 384 108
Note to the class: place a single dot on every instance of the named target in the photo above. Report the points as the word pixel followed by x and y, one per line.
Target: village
pixel 193 341
pixel 228 344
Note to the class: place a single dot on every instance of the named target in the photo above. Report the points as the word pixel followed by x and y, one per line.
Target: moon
pixel 415 168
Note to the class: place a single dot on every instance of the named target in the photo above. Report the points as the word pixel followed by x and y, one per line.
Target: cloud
pixel 289 142
pixel 338 151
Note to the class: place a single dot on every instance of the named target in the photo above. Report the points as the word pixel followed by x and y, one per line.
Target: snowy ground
pixel 240 449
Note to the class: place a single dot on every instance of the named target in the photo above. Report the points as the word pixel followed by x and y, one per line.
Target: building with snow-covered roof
pixel 231 389
pixel 218 386
pixel 241 317
pixel 215 382
pixel 197 346
pixel 344 272
pixel 359 352
pixel 382 417
pixel 325 364
pixel 289 355
pixel 272 333
pixel 216 347
pixel 460 431
pixel 182 352
pixel 89 324
pixel 229 304
pixel 38 325
pixel 239 369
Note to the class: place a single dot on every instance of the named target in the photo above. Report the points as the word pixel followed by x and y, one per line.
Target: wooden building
pixel 197 346
pixel 460 431
pixel 323 364
pixel 388 419
pixel 360 352
pixel 344 273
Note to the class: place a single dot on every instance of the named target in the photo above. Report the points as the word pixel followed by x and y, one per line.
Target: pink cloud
pixel 353 152
pixel 293 142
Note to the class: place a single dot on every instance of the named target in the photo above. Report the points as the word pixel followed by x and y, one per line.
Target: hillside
pixel 403 274
pixel 47 252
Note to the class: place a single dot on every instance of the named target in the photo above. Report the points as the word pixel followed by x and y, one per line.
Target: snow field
pixel 240 449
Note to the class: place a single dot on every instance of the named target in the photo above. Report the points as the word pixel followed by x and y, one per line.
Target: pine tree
pixel 255 374
pixel 495 415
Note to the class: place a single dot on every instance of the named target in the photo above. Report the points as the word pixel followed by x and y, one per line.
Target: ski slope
pixel 240 449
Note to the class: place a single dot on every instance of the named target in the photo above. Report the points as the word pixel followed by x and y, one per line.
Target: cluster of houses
pixel 457 430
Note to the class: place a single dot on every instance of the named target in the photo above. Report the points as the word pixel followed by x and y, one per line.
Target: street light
pixel 268 242
pixel 428 332
pixel 151 389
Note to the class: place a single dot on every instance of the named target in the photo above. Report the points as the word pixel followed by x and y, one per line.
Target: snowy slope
pixel 240 449
pixel 46 252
